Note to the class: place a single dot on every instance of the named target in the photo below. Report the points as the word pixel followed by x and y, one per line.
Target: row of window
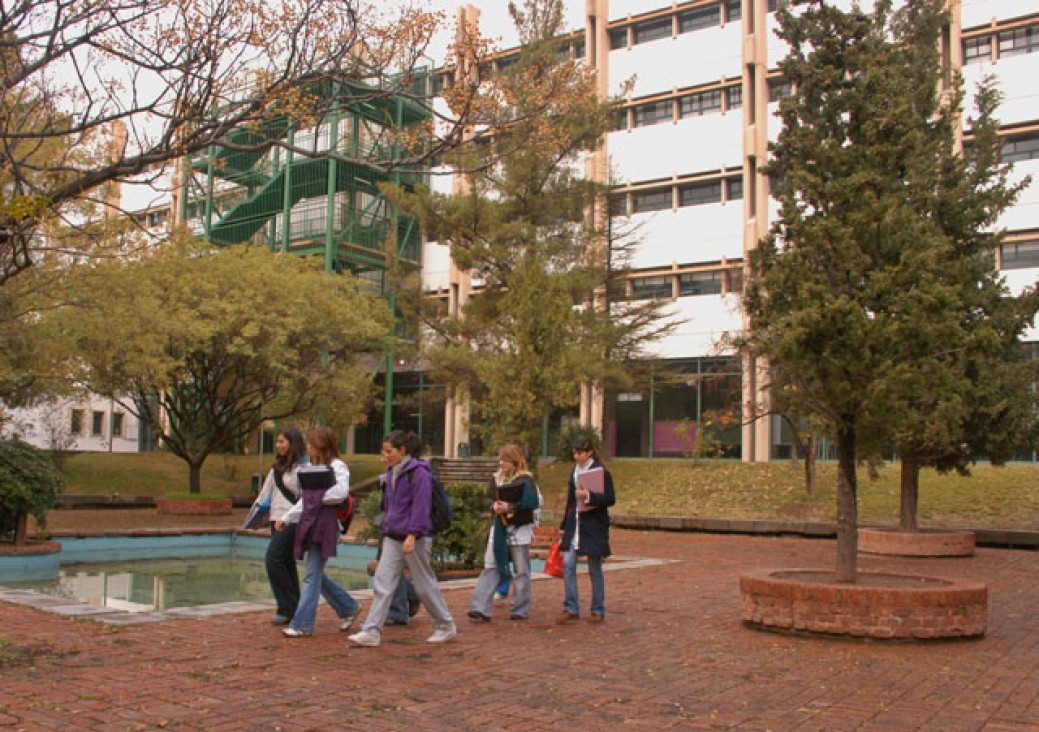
pixel 670 110
pixel 1006 43
pixel 97 423
pixel 686 21
pixel 675 196
pixel 1019 255
pixel 686 284
pixel 1018 148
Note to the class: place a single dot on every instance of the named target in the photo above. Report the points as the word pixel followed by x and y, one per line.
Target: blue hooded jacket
pixel 409 502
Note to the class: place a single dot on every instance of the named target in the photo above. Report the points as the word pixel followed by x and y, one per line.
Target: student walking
pixel 407 540
pixel 317 535
pixel 585 530
pixel 514 499
pixel 280 492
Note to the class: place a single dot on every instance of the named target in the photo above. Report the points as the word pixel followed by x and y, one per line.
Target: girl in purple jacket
pixel 407 539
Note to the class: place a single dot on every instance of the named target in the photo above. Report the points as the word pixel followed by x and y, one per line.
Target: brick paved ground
pixel 672 655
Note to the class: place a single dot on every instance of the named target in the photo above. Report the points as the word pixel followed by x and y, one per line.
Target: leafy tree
pixel 528 224
pixel 205 346
pixel 29 485
pixel 863 288
pixel 93 94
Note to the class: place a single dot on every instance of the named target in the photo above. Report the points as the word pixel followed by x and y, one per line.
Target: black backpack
pixel 440 512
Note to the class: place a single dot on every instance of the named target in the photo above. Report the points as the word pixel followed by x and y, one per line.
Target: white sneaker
pixel 293 633
pixel 443 633
pixel 368 638
pixel 349 620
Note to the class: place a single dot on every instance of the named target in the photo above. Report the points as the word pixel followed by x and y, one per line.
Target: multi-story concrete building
pixel 686 155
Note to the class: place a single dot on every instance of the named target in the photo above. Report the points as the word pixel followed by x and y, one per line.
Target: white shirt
pixel 333 496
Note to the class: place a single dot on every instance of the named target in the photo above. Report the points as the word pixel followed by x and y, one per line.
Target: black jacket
pixel 595 524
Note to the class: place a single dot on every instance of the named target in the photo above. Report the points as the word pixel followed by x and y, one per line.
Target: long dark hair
pixel 323 440
pixel 297 449
pixel 408 440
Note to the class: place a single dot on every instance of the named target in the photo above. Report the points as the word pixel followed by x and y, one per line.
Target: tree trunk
pixel 910 491
pixel 847 505
pixel 809 468
pixel 20 529
pixel 194 476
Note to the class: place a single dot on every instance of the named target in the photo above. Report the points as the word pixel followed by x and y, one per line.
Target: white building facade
pixel 686 153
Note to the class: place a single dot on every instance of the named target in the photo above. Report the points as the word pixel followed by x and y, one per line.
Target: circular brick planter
pixel 194 506
pixel 879 605
pixel 923 543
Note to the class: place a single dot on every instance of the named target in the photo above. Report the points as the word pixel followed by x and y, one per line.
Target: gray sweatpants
pixel 388 573
pixel 483 595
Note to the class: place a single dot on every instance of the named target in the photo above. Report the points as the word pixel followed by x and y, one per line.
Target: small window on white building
pixel 977 50
pixel 97 424
pixel 117 424
pixel 76 422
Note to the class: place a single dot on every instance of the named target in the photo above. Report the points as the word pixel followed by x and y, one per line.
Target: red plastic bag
pixel 554 562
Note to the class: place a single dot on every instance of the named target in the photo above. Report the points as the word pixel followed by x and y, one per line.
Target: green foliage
pixel 874 298
pixel 207 345
pixel 570 434
pixel 524 226
pixel 29 486
pixel 464 541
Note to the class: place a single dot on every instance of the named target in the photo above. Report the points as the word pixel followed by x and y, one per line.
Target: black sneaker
pixel 478 617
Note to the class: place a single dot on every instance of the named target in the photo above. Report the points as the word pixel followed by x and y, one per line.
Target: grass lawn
pixel 990 497
pixel 160 473
pixel 1006 497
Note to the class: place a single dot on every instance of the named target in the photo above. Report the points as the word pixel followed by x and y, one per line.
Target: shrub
pixel 29 485
pixel 464 541
pixel 564 450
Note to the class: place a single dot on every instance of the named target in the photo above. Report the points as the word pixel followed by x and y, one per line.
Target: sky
pixel 495 22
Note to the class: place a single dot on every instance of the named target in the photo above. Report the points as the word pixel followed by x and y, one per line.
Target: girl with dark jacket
pixel 513 497
pixel 407 539
pixel 280 491
pixel 585 532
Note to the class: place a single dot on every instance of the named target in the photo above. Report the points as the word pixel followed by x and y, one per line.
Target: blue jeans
pixel 571 603
pixel 316 584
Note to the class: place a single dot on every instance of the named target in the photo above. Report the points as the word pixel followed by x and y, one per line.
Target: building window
pixel 977 50
pixel 779 88
pixel 618 38
pixel 117 424
pixel 700 283
pixel 654 113
pixel 734 282
pixel 619 204
pixel 76 422
pixel 733 10
pixel 705 17
pixel 696 105
pixel 1021 255
pixel 1018 41
pixel 620 120
pixel 652 30
pixel 696 194
pixel 648 288
pixel 97 424
pixel 656 200
pixel 734 97
pixel 734 190
pixel 1021 148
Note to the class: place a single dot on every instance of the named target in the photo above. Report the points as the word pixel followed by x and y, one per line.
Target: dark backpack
pixel 345 513
pixel 440 513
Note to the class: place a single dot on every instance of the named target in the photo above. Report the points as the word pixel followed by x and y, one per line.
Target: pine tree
pixel 873 298
pixel 523 224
